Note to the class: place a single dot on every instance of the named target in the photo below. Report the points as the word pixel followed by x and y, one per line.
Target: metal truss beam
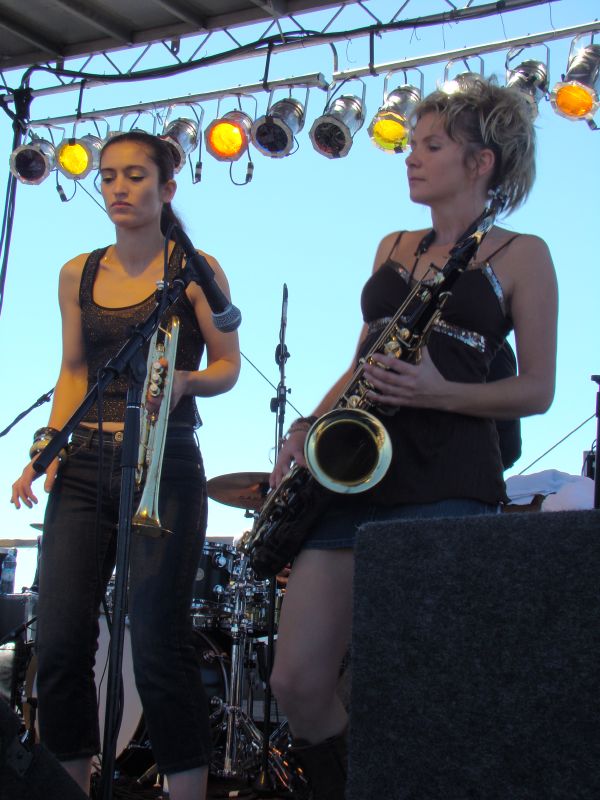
pixel 467 52
pixel 313 81
pixel 282 41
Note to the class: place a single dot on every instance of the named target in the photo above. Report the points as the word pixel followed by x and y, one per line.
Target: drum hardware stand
pixel 244 741
pixel 129 360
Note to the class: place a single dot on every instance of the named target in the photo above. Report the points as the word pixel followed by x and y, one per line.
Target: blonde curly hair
pixel 485 115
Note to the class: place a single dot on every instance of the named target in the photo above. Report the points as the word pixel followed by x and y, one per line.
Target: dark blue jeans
pixel 75 568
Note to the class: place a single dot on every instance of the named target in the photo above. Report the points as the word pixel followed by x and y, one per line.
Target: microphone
pixel 281 351
pixel 226 316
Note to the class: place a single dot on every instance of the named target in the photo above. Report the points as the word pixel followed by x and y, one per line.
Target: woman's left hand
pixel 398 383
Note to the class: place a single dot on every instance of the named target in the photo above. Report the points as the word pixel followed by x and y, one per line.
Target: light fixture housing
pixel 76 158
pixel 390 127
pixel 273 133
pixel 331 134
pixel 460 83
pixel 530 78
pixel 182 134
pixel 576 97
pixel 32 163
pixel 227 137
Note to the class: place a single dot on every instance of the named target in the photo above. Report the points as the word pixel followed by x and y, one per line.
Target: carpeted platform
pixel 476 659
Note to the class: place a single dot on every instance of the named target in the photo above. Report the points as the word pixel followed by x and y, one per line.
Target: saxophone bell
pixel 153 430
pixel 348 450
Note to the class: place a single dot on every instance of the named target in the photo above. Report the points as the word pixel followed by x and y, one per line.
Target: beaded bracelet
pixel 44 433
pixel 301 424
pixel 41 440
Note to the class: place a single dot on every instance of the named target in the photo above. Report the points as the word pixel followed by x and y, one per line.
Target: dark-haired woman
pixel 102 294
pixel 446 459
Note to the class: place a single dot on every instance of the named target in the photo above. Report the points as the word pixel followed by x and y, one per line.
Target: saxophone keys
pixel 393 348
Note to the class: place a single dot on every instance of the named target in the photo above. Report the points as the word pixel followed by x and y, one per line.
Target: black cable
pixel 40 401
pixel 560 441
pixel 272 385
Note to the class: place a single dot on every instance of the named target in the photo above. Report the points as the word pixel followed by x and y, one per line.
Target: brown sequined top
pixel 105 330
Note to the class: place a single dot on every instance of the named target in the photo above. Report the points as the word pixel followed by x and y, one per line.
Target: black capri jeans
pixel 76 565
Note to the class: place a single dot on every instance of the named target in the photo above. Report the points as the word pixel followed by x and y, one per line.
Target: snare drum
pixel 212 583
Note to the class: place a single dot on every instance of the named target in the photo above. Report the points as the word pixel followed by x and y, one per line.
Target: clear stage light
pixel 332 133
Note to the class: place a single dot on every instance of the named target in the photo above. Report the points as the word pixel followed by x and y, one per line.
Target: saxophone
pixel 348 450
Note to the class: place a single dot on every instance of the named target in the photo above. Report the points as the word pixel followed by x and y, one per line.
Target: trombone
pixel 153 428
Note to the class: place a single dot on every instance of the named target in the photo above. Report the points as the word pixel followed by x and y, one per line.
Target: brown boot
pixel 324 765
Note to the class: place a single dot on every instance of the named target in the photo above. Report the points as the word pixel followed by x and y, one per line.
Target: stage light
pixel 390 127
pixel 273 134
pixel 460 83
pixel 183 135
pixel 227 137
pixel 76 158
pixel 32 163
pixel 576 96
pixel 530 78
pixel 331 134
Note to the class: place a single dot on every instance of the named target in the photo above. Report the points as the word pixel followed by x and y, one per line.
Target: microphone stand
pixel 263 783
pixel 128 360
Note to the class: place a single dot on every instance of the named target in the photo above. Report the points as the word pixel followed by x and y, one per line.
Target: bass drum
pixel 213 663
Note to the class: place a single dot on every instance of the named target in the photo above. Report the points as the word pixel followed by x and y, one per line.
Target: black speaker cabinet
pixel 476 659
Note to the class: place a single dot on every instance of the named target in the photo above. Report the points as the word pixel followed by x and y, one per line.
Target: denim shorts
pixel 338 526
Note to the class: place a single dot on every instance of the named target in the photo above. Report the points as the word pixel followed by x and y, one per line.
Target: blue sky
pixel 313 224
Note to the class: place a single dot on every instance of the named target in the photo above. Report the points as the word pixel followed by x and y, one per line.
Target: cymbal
pixel 39 526
pixel 240 489
pixel 18 542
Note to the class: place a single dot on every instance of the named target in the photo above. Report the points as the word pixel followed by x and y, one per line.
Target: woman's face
pixel 436 166
pixel 130 185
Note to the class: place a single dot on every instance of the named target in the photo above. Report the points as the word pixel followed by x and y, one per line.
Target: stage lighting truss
pixel 274 134
pixel 389 129
pixel 31 163
pixel 227 137
pixel 529 77
pixel 576 97
pixel 333 132
pixel 464 80
pixel 183 134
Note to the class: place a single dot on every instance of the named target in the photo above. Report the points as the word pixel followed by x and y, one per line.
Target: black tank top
pixel 439 455
pixel 105 330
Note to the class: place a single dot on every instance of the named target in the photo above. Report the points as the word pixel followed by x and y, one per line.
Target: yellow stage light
pixel 227 137
pixel 76 158
pixel 390 127
pixel 576 96
pixel 32 163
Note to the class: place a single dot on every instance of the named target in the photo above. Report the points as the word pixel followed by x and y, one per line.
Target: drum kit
pixel 234 617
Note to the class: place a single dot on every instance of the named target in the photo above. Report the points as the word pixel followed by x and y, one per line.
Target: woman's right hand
pixel 22 490
pixel 292 452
